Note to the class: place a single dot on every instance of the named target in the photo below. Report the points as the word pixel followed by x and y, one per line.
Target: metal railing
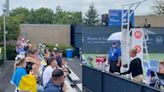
pixel 97 81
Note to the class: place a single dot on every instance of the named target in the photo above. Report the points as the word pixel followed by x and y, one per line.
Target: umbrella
pixel 115 36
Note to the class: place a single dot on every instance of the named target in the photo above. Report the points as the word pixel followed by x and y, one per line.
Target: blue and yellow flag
pixel 28 83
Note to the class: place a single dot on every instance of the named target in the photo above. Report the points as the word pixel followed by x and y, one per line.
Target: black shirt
pixel 135 68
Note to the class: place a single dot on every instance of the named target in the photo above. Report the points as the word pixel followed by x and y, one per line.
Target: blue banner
pixel 115 18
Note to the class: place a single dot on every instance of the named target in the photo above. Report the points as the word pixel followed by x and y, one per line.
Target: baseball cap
pixel 57 73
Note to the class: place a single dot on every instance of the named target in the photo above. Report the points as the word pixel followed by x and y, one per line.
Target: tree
pixel 20 13
pixel 63 17
pixel 41 16
pixel 159 7
pixel 58 9
pixel 31 17
pixel 91 17
pixel 12 27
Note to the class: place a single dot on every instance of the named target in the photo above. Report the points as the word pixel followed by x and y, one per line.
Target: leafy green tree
pixel 63 17
pixel 12 28
pixel 58 9
pixel 91 17
pixel 41 16
pixel 21 13
pixel 31 17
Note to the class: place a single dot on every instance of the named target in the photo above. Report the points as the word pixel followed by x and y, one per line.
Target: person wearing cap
pixel 47 73
pixel 135 67
pixel 114 58
pixel 56 84
pixel 19 57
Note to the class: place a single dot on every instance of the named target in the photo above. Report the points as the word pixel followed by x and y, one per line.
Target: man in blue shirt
pixel 114 58
pixel 56 84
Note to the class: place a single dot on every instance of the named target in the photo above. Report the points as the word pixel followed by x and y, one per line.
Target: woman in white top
pixel 47 73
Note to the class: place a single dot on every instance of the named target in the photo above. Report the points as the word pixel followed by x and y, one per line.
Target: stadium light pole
pixel 4 31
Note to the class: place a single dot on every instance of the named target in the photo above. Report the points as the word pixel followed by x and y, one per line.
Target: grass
pixel 156 56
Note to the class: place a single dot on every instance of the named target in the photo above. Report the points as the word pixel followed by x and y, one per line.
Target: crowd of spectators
pixel 38 69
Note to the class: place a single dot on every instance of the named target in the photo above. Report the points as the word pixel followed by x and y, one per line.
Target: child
pixel 19 72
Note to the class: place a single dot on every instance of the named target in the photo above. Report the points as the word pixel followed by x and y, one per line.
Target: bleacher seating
pixel 79 86
pixel 73 77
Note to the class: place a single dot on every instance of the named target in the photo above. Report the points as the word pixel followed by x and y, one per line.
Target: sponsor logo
pixel 138 34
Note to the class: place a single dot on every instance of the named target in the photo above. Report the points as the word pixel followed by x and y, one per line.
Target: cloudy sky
pixel 80 5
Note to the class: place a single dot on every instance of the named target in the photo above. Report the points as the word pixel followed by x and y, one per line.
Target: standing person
pixel 56 84
pixel 52 64
pixel 114 58
pixel 19 72
pixel 135 67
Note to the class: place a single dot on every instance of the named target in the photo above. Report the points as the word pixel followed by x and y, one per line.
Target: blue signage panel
pixel 115 18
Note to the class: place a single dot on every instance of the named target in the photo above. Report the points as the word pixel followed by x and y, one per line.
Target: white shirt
pixel 47 74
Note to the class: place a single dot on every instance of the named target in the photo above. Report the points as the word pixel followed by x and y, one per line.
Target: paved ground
pixel 5 76
pixel 6 71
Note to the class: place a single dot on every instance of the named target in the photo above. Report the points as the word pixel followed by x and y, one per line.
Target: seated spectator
pixel 17 59
pixel 59 58
pixel 47 73
pixel 28 83
pixel 53 53
pixel 19 72
pixel 135 67
pixel 32 59
pixel 56 84
pixel 46 54
pixel 161 67
pixel 28 46
pixel 89 62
